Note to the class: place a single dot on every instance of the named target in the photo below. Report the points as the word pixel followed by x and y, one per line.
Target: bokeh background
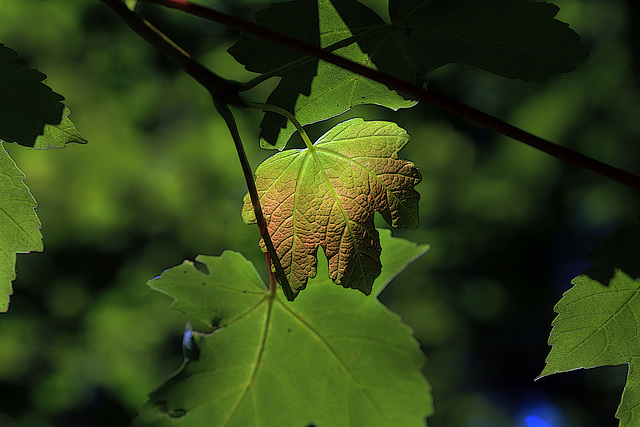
pixel 85 340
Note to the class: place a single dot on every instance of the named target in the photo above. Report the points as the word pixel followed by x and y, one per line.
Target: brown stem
pixel 437 100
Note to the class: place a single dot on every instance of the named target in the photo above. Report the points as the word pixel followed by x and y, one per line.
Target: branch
pixel 428 96
pixel 271 255
pixel 220 88
pixel 224 93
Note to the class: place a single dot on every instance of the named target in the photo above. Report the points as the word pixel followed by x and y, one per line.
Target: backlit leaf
pixel 598 318
pixel 31 114
pixel 19 224
pixel 326 197
pixel 330 358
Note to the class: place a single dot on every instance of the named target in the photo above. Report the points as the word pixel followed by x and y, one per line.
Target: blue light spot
pixel 540 413
pixel 536 421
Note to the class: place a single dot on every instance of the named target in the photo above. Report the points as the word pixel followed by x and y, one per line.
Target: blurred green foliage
pixel 85 341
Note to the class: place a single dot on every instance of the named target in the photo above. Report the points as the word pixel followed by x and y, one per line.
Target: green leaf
pixel 597 322
pixel 598 325
pixel 19 224
pixel 327 195
pixel 314 90
pixel 31 114
pixel 511 38
pixel 331 358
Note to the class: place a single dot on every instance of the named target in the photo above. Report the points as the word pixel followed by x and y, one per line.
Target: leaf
pixel 326 196
pixel 622 251
pixel 598 318
pixel 331 358
pixel 518 39
pixel 19 224
pixel 596 326
pixel 314 90
pixel 31 114
pixel 511 38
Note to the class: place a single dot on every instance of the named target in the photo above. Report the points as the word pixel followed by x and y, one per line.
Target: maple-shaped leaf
pixel 512 38
pixel 19 224
pixel 31 114
pixel 326 196
pixel 313 90
pixel 330 358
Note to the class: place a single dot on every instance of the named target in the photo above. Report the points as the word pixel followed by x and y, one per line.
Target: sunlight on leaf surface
pixel 331 358
pixel 598 325
pixel 31 114
pixel 19 224
pixel 327 196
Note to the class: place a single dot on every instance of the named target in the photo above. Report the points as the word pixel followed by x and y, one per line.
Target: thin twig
pixel 220 88
pixel 437 100
pixel 224 92
pixel 226 114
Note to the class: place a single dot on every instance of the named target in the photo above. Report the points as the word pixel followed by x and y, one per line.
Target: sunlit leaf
pixel 31 114
pixel 597 322
pixel 19 224
pixel 326 197
pixel 330 358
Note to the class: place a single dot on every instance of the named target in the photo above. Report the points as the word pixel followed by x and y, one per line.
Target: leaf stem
pixel 279 110
pixel 224 93
pixel 428 96
pixel 271 256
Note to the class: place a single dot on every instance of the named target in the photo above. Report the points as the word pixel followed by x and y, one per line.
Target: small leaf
pixel 326 196
pixel 314 90
pixel 31 114
pixel 19 224
pixel 330 358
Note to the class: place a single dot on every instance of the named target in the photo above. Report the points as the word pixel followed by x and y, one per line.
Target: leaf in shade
pixel 313 90
pixel 31 114
pixel 518 39
pixel 621 251
pixel 512 38
pixel 325 196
